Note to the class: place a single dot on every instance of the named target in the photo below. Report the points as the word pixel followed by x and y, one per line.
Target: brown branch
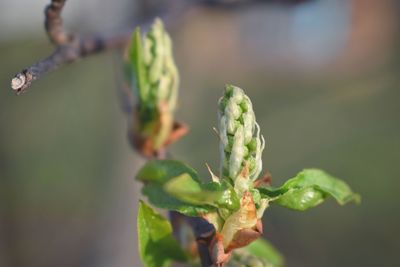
pixel 69 52
pixel 204 232
pixel 53 22
pixel 69 47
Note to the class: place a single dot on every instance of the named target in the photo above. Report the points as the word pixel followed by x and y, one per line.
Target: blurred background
pixel 324 79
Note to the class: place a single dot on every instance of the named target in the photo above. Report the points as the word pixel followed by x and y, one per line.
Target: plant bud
pixel 157 81
pixel 241 143
pixel 240 228
pixel 162 74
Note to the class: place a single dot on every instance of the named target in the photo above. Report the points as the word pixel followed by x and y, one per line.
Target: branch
pixel 204 233
pixel 70 52
pixel 53 22
pixel 69 47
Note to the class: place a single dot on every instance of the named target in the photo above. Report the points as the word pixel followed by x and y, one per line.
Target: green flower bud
pixel 241 146
pixel 161 76
pixel 156 78
pixel 239 135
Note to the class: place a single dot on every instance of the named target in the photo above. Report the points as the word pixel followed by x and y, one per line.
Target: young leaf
pixel 188 190
pixel 161 171
pixel 302 198
pixel 185 188
pixel 156 173
pixel 160 198
pixel 308 189
pixel 265 250
pixel 157 245
pixel 136 59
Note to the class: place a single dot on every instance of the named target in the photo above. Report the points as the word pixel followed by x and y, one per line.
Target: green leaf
pixel 228 199
pixel 161 199
pixel 161 171
pixel 301 199
pixel 136 58
pixel 265 250
pixel 156 173
pixel 185 188
pixel 308 189
pixel 157 246
pixel 188 190
pixel 170 184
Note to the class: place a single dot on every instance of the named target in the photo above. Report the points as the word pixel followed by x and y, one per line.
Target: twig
pixel 68 53
pixel 204 233
pixel 69 48
pixel 53 22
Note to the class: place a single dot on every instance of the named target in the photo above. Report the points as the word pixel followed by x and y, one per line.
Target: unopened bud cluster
pixel 241 144
pixel 161 75
pixel 157 80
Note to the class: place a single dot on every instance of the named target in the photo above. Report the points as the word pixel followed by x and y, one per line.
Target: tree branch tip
pixel 19 83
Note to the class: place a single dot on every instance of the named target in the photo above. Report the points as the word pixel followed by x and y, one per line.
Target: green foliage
pixel 265 250
pixel 160 198
pixel 170 184
pixel 157 245
pixel 154 79
pixel 161 171
pixel 156 173
pixel 301 199
pixel 185 188
pixel 308 189
pixel 136 59
pixel 234 203
pixel 259 253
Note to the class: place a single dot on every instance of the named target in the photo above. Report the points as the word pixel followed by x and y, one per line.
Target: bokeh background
pixel 324 79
